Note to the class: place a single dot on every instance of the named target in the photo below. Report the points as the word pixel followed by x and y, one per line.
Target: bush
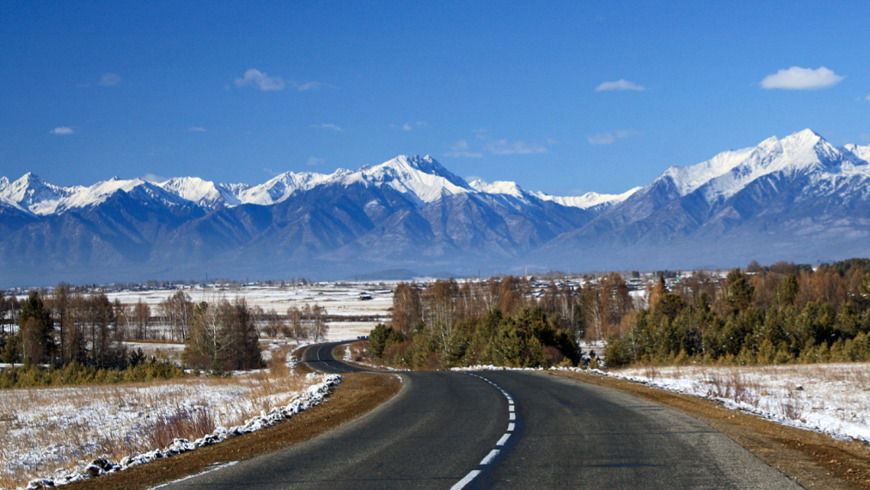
pixel 78 374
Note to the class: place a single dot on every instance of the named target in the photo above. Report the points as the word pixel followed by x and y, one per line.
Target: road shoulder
pixel 812 460
pixel 357 395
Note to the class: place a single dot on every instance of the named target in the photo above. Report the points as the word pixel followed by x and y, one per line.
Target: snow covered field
pixel 340 300
pixel 49 430
pixel 830 398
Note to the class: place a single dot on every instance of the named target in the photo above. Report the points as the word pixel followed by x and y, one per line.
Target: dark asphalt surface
pixel 319 357
pixel 444 428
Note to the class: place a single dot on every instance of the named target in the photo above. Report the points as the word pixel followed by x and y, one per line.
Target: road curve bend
pixel 503 429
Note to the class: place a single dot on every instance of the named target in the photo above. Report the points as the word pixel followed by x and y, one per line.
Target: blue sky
pixel 564 98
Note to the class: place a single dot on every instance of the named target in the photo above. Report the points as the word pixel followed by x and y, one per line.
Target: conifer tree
pixel 36 331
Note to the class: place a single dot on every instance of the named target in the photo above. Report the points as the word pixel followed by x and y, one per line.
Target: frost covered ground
pixel 830 398
pixel 58 432
pixel 49 429
pixel 352 316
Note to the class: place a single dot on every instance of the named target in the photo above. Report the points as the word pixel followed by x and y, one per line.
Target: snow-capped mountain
pixel 420 179
pixel 587 201
pixel 32 195
pixel 590 200
pixel 804 152
pixel 204 192
pixel 796 198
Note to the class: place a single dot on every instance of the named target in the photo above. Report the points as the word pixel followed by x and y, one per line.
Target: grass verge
pixel 811 459
pixel 356 395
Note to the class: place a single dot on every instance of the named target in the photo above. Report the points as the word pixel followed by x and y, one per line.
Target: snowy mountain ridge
pixel 420 179
pixel 795 198
pixel 424 180
pixel 729 172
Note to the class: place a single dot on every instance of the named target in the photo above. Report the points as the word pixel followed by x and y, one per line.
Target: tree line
pixel 76 327
pixel 761 315
pixel 70 330
pixel 498 321
pixel 781 313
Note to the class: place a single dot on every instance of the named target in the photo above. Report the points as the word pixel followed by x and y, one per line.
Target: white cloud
pixel 610 137
pixel 196 129
pixel 154 178
pixel 260 80
pixel 620 85
pixel 505 147
pixel 482 143
pixel 62 130
pixel 109 79
pixel 797 78
pixel 461 149
pixel 302 87
pixel 314 161
pixel 867 98
pixel 330 126
pixel 410 126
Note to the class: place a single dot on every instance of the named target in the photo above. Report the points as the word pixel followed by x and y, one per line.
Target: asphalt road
pixel 504 429
pixel 319 357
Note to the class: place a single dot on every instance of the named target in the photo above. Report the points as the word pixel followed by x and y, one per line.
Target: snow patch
pixel 313 395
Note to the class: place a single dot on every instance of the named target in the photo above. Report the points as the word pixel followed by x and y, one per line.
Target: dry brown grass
pixel 64 428
pixel 358 394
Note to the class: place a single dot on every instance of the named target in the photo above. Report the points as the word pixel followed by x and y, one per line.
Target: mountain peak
pixel 423 179
pixel 425 164
pixel 806 138
pixel 728 172
pixel 30 179
pixel 498 187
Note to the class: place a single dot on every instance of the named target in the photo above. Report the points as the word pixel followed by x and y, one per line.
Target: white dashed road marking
pixel 512 415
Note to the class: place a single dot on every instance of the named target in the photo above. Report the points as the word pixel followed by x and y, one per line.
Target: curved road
pixel 503 429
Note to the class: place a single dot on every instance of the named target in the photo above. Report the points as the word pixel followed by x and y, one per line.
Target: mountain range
pixel 798 198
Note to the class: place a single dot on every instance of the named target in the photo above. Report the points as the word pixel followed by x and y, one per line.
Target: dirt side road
pixel 811 459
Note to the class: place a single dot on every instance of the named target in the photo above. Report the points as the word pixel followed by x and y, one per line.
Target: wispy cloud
pixel 329 126
pixel 302 87
pixel 409 126
pixel 461 149
pixel 610 137
pixel 62 130
pixel 260 80
pixel 505 147
pixel 867 98
pixel 109 79
pixel 797 78
pixel 154 178
pixel 483 144
pixel 314 161
pixel 619 85
pixel 196 129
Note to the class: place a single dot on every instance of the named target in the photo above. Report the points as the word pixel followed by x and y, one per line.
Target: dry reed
pixel 49 429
